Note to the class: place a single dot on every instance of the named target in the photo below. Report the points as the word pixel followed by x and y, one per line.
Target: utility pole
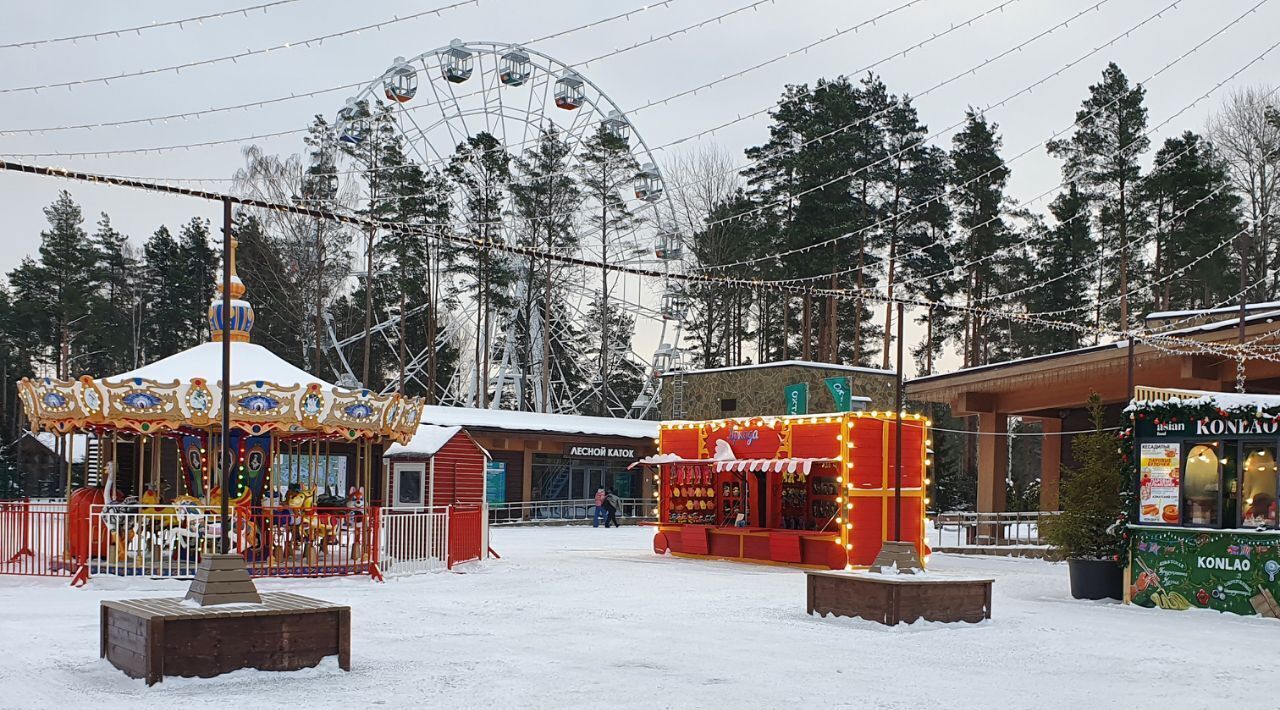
pixel 897 435
pixel 224 526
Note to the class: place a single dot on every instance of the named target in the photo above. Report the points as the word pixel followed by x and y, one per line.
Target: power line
pixel 138 29
pixel 1189 345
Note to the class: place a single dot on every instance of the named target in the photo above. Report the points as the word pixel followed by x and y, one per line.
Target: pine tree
pixel 926 260
pixel 198 265
pixel 719 318
pixel 481 168
pixel 270 282
pixel 165 321
pixel 608 168
pixel 324 262
pixel 410 287
pixel 1064 262
pixel 1193 212
pixel 117 309
pixel 907 163
pixel 625 374
pixel 54 297
pixel 545 197
pixel 979 176
pixel 1103 157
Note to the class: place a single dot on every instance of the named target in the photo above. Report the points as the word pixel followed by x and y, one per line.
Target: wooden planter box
pixel 153 638
pixel 891 599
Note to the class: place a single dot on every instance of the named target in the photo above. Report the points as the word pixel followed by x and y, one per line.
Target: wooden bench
pixel 152 638
pixel 893 598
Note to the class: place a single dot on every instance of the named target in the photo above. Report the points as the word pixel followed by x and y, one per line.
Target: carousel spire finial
pixel 241 310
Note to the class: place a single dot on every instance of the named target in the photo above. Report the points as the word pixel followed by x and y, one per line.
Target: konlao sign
pixel 1247 426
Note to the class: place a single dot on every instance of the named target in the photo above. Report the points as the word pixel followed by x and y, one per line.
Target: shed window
pixel 729 405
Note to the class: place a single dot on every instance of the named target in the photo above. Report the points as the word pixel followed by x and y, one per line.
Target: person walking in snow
pixel 599 511
pixel 612 503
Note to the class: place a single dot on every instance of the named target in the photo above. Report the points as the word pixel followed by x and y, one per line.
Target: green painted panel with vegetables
pixel 1226 570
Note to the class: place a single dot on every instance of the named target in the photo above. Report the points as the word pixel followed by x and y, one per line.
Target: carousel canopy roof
pixel 183 391
pixel 249 363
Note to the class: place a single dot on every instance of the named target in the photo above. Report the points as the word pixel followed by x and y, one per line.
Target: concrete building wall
pixel 758 391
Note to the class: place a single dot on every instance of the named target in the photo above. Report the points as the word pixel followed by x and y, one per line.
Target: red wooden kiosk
pixel 812 490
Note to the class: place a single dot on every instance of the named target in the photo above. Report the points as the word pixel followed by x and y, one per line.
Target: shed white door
pixel 408 485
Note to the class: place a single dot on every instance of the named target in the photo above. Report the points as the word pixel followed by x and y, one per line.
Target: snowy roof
pixel 249 363
pixel 79 443
pixel 788 363
pixel 1222 400
pixel 1249 308
pixel 425 442
pixel 1267 316
pixel 536 421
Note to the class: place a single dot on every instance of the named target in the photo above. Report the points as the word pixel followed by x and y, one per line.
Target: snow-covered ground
pixel 583 617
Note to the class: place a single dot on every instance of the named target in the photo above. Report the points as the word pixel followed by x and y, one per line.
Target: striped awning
pixel 777 465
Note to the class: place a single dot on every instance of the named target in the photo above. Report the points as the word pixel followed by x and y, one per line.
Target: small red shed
pixel 440 472
pixel 441 465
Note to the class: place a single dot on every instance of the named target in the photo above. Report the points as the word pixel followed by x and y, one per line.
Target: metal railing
pixel 968 529
pixel 567 510
pixel 169 540
pixel 414 540
pixel 33 539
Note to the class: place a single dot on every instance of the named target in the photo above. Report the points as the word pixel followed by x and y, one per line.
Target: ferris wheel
pixel 439 100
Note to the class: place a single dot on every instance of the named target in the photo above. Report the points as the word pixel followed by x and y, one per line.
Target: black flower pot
pixel 1095 579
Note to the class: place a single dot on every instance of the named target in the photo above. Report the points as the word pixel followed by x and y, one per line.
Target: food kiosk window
pixel 1201 483
pixel 1258 486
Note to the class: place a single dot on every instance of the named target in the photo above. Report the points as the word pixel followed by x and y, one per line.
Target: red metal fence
pixel 466 534
pixel 33 539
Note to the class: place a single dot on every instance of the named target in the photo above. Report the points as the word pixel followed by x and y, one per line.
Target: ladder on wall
pixel 677 385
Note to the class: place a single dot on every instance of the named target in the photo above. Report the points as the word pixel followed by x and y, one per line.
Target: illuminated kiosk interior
pixel 305 451
pixel 814 490
pixel 1206 530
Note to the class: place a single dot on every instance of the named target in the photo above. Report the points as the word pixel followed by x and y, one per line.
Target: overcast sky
pixel 631 78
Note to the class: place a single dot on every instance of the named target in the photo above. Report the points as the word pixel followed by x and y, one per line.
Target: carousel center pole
pixel 225 444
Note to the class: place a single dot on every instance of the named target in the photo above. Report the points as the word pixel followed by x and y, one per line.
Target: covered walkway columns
pixel 993 461
pixel 993 447
pixel 1050 462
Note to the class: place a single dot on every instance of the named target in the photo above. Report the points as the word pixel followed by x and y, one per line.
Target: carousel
pixel 303 452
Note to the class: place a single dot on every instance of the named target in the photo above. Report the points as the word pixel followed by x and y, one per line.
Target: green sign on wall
pixel 797 398
pixel 840 392
pixel 495 481
pixel 1181 568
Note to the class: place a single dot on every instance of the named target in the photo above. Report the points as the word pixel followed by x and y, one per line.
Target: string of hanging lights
pixel 1167 343
pixel 139 29
pixel 651 40
pixel 1033 148
pixel 1043 33
pixel 308 42
pixel 293 96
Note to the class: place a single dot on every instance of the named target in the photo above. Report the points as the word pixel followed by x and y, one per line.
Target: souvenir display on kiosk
pixel 811 490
